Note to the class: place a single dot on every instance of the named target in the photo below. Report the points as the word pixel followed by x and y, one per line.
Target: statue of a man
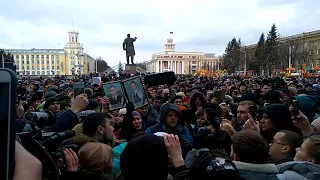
pixel 129 48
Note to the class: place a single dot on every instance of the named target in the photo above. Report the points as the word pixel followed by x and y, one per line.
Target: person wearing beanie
pixel 52 104
pixel 157 102
pixel 276 117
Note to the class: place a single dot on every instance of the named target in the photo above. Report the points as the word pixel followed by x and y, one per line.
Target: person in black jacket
pixel 68 119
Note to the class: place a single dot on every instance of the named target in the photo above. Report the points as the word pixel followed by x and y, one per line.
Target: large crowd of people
pixel 197 128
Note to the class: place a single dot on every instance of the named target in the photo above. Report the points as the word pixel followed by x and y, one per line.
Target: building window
pixel 27 62
pixel 52 56
pixel 38 68
pixel 17 56
pixel 52 61
pixel 52 67
pixel 42 56
pixel 37 56
pixel 32 56
pixel 47 67
pixel 48 72
pixel 57 67
pixel 318 51
pixel 311 52
pixel 47 61
pixel 61 66
pixel 47 56
pixel 57 56
pixel 72 39
pixel 42 61
pixel 38 61
pixel 33 73
pixel 43 72
pixel 76 39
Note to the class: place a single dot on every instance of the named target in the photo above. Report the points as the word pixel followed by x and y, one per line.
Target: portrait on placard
pixel 135 92
pixel 115 94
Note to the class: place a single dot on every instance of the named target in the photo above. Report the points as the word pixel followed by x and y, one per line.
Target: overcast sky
pixel 198 25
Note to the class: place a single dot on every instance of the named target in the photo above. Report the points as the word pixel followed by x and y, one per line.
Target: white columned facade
pixel 182 64
pixel 161 64
pixel 30 64
pixel 20 64
pixel 45 65
pixel 50 65
pixel 55 64
pixel 40 63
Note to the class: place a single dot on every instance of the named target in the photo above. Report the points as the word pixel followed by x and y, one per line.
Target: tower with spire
pixel 74 51
pixel 169 46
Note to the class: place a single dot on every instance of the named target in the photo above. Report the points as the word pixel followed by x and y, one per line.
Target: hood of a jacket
pixel 193 99
pixel 164 110
pixel 307 106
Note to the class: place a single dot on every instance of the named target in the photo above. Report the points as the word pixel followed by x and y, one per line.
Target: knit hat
pixel 85 113
pixel 316 124
pixel 50 94
pixel 146 153
pixel 49 102
pixel 135 113
pixel 92 105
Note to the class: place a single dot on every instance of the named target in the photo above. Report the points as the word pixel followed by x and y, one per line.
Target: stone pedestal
pixel 131 68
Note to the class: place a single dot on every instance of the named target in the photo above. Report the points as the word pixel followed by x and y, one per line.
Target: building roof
pixel 34 51
pixel 292 37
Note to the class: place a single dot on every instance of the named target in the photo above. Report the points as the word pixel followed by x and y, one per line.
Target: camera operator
pixel 68 119
pixel 52 105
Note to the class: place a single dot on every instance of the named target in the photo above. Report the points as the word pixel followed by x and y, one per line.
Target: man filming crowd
pixel 195 128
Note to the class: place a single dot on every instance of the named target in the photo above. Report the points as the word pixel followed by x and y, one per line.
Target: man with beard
pixel 97 127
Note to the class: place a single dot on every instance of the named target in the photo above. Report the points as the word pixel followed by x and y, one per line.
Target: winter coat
pixel 298 170
pixel 249 171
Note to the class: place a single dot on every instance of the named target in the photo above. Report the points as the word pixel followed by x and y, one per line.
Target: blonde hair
pixel 97 157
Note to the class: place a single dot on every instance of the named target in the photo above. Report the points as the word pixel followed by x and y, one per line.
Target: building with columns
pixel 181 62
pixel 67 61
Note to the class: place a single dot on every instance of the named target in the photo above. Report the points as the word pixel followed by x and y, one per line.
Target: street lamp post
pixel 290 54
pixel 245 61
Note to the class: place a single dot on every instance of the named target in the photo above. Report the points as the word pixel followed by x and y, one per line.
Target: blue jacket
pixel 117 151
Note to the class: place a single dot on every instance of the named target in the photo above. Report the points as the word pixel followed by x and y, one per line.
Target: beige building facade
pixel 70 60
pixel 181 62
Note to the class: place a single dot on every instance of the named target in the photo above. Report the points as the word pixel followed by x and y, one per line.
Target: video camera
pixel 45 146
pixel 40 119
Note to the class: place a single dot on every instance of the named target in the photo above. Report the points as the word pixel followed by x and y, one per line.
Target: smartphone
pixel 252 112
pixel 295 108
pixel 78 88
pixel 8 86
